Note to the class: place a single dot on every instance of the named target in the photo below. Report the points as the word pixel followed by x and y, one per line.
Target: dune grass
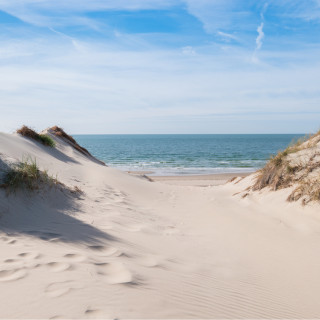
pixel 47 140
pixel 42 138
pixel 26 175
pixel 278 171
pixel 307 190
pixel 59 132
pixel 282 171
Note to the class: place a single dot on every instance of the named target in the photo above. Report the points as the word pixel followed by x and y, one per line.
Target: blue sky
pixel 161 66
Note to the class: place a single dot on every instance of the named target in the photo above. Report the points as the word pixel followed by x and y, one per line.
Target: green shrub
pixel 42 138
pixel 47 140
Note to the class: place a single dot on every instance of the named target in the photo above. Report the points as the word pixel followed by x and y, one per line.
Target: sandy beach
pixel 206 180
pixel 199 180
pixel 121 246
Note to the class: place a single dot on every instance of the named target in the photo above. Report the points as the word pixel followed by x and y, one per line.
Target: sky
pixel 160 66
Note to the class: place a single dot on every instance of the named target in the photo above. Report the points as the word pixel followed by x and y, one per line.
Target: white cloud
pixel 214 14
pixel 259 39
pixel 227 36
pixel 259 42
pixel 114 90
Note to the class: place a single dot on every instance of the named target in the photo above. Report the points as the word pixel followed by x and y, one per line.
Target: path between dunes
pixel 130 248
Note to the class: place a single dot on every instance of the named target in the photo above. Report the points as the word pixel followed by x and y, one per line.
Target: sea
pixel 186 154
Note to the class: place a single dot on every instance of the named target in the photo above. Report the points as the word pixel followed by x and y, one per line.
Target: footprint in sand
pixel 58 266
pixel 9 240
pixel 105 251
pixel 29 255
pixel 58 289
pixel 95 314
pixel 114 273
pixel 74 257
pixel 11 275
pixel 11 261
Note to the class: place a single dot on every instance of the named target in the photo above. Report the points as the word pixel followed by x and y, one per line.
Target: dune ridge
pixel 129 248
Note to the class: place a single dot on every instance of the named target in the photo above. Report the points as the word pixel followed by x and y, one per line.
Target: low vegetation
pixel 301 170
pixel 278 172
pixel 59 132
pixel 42 138
pixel 26 175
pixel 308 190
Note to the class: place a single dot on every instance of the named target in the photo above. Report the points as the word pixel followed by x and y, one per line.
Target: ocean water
pixel 186 154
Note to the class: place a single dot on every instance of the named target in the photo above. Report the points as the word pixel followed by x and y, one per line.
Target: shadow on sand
pixel 49 215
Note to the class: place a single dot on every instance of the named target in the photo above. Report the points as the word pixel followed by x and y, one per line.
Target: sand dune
pixel 130 248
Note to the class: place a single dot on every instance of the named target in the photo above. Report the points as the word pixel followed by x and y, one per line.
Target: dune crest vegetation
pixel 299 166
pixel 59 132
pixel 42 138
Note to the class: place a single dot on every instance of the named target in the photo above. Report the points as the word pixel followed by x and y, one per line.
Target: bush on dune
pixel 42 138
pixel 47 140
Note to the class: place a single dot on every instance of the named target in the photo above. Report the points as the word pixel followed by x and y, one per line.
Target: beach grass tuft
pixel 42 138
pixel 307 190
pixel 59 132
pixel 277 172
pixel 303 171
pixel 47 140
pixel 26 175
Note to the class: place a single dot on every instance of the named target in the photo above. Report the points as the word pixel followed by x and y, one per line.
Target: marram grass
pixel 26 175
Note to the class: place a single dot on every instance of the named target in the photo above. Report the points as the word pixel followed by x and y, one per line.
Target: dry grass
pixel 28 133
pixel 26 175
pixel 314 140
pixel 42 138
pixel 307 190
pixel 61 133
pixel 283 171
pixel 278 172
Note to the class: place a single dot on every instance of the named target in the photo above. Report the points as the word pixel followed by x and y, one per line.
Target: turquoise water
pixel 186 154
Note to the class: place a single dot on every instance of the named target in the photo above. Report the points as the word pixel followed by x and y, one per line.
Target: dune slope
pixel 129 248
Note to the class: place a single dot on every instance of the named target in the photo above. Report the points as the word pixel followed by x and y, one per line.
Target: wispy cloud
pixel 121 91
pixel 264 9
pixel 131 82
pixel 227 36
pixel 259 39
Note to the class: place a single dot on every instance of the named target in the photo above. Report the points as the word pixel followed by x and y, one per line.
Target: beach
pixel 107 244
pixel 199 180
pixel 206 180
pixel 159 159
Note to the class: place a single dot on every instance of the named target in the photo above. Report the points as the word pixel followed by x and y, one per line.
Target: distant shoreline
pixel 192 180
pixel 180 155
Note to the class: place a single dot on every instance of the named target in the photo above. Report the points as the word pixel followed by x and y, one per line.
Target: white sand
pixel 130 248
pixel 207 180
